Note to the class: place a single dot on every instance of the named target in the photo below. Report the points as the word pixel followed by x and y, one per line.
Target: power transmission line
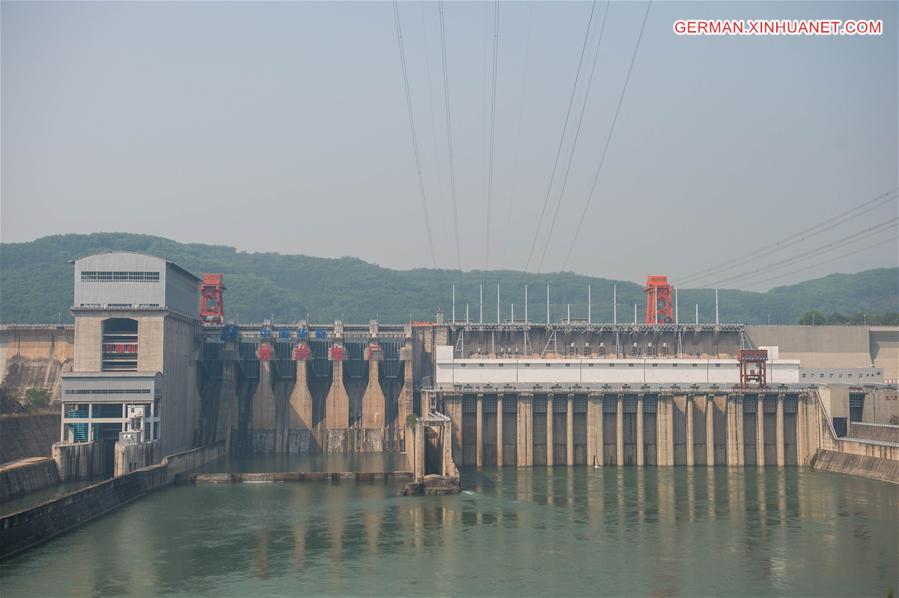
pixel 605 148
pixel 847 240
pixel 492 131
pixel 577 134
pixel 552 175
pixel 793 239
pixel 522 93
pixel 415 149
pixel 827 261
pixel 449 134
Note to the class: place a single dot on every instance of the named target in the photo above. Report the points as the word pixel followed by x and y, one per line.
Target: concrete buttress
pixel 524 425
pixel 264 410
pixel 373 402
pixel 299 413
pixel 337 403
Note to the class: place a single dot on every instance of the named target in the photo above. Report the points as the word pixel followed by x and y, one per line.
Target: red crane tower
pixel 212 306
pixel 659 308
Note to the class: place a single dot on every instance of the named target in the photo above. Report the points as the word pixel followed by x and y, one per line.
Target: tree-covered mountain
pixel 36 283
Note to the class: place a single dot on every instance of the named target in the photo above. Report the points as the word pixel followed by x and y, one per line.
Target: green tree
pixel 813 317
pixel 9 401
pixel 37 399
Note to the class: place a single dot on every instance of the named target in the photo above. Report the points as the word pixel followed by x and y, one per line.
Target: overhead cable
pixel 552 175
pixel 794 238
pixel 492 132
pixel 605 148
pixel 415 149
pixel 827 261
pixel 847 240
pixel 449 134
pixel 577 134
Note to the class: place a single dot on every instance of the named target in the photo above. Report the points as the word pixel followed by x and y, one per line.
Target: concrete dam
pixel 155 384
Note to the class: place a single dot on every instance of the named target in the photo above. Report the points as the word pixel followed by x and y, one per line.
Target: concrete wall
pixel 27 475
pixel 499 371
pixel 24 529
pixel 877 432
pixel 884 347
pixel 36 356
pixel 131 457
pixel 180 417
pixel 78 461
pixel 816 346
pixel 24 436
pixel 877 468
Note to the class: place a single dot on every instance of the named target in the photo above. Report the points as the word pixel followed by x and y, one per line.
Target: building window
pixel 103 276
pixel 107 391
pixel 119 348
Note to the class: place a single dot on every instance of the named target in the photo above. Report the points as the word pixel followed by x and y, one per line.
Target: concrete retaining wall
pixel 877 432
pixel 78 461
pixel 885 350
pixel 859 465
pixel 24 436
pixel 25 529
pixel 27 475
pixel 36 356
pixel 188 461
pixel 297 476
pixel 131 457
pixel 816 346
pixel 22 530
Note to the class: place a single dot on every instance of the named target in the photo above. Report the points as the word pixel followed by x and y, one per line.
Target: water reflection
pixel 559 530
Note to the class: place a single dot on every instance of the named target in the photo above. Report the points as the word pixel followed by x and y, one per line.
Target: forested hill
pixel 36 287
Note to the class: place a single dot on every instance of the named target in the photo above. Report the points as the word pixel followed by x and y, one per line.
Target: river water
pixel 562 531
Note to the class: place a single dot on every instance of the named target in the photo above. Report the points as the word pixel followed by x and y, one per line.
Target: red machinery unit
pixel 300 353
pixel 265 352
pixel 659 306
pixel 212 306
pixel 336 353
pixel 752 366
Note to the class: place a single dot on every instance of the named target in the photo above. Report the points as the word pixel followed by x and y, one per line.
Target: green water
pixel 660 532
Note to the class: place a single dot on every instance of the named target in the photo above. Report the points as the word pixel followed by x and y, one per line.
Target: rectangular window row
pixel 107 391
pixel 104 276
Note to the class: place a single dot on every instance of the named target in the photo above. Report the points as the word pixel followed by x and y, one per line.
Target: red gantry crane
pixel 212 306
pixel 659 308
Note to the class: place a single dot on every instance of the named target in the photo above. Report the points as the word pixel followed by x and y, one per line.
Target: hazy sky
pixel 283 127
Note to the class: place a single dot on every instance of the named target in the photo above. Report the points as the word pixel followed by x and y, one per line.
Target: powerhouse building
pixel 136 321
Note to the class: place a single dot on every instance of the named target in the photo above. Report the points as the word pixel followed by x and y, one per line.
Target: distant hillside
pixel 36 285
